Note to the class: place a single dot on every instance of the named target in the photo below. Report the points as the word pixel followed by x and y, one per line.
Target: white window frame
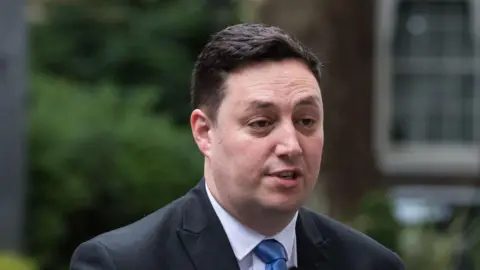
pixel 422 158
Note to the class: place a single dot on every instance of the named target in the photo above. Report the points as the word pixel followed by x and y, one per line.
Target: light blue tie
pixel 272 253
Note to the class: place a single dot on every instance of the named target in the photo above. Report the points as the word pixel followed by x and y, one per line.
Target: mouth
pixel 289 174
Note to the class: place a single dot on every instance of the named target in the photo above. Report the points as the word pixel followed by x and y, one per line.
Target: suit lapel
pixel 203 235
pixel 206 242
pixel 312 247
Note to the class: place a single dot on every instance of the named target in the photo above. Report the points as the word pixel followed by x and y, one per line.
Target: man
pixel 258 120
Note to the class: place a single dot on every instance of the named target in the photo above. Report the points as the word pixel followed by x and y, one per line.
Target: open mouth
pixel 291 174
pixel 287 175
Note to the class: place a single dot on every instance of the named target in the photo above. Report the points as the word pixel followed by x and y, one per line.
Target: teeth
pixel 287 174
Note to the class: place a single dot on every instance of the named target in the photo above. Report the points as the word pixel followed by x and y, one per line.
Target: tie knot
pixel 270 250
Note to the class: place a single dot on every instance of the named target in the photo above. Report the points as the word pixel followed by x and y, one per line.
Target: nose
pixel 288 145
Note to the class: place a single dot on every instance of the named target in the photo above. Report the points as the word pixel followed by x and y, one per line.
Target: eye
pixel 259 124
pixel 307 122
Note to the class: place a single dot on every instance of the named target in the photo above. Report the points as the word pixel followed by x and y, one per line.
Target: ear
pixel 201 127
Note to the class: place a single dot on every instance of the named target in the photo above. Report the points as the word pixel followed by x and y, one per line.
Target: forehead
pixel 281 81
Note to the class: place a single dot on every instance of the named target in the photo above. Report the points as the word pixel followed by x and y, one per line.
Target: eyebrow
pixel 258 104
pixel 310 100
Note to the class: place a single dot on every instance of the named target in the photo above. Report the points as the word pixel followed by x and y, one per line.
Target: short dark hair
pixel 238 46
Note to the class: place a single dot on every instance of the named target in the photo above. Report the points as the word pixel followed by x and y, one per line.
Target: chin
pixel 286 205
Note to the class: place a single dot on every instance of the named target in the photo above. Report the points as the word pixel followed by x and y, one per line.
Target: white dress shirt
pixel 243 240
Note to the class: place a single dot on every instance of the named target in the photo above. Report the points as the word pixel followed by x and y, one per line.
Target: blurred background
pixel 94 107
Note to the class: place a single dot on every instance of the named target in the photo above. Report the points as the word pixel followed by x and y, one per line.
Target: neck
pixel 264 221
pixel 267 222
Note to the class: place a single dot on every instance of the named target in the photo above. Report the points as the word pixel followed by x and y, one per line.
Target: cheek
pixel 245 154
pixel 229 149
pixel 314 150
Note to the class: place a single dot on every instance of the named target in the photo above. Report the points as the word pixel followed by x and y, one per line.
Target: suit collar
pixel 313 247
pixel 244 240
pixel 207 244
pixel 202 234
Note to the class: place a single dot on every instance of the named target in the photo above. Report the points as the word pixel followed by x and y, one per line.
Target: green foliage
pixel 98 161
pixel 426 247
pixel 13 261
pixel 421 246
pixel 377 221
pixel 105 148
pixel 129 43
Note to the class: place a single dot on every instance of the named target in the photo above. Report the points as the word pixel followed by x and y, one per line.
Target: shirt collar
pixel 243 239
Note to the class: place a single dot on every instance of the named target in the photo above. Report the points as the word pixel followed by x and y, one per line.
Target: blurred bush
pixel 130 43
pixel 423 246
pixel 108 136
pixel 13 261
pixel 98 161
pixel 376 219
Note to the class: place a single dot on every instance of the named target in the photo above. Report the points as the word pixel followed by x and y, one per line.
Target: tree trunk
pixel 340 32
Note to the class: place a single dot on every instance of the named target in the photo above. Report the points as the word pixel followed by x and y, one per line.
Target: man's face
pixel 266 147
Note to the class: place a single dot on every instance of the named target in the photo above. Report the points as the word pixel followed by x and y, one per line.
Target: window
pixel 427 87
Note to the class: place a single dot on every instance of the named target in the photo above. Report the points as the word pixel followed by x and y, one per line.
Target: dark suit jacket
pixel 187 235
